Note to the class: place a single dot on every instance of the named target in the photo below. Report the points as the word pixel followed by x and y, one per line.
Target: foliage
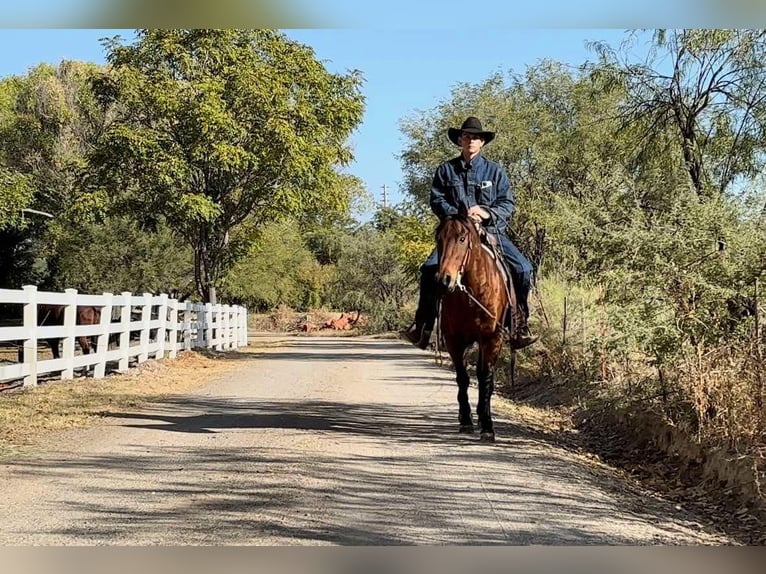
pixel 16 195
pixel 49 119
pixel 217 128
pixel 412 232
pixel 279 269
pixel 705 87
pixel 368 278
pixel 117 255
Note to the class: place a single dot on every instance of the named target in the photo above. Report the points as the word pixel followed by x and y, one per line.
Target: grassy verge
pixel 692 429
pixel 29 414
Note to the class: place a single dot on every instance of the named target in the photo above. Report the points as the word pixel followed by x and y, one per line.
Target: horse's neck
pixel 481 273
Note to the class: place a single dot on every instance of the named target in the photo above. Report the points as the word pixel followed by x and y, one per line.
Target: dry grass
pixel 28 415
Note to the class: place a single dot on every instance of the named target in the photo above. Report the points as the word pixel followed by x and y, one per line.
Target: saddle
pixel 491 244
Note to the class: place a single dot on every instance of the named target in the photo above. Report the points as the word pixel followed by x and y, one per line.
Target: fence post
pixel 125 318
pixel 162 333
pixel 236 327
pixel 29 351
pixel 146 317
pixel 208 326
pixel 199 320
pixel 188 309
pixel 173 329
pixel 239 311
pixel 234 321
pixel 225 324
pixel 70 321
pixel 245 341
pixel 218 322
pixel 102 343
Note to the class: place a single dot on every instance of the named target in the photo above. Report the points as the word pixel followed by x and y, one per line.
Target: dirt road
pixel 323 441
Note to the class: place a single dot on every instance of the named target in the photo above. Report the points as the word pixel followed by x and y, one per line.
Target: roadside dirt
pixel 644 450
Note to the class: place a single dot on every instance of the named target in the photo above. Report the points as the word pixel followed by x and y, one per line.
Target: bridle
pixel 461 271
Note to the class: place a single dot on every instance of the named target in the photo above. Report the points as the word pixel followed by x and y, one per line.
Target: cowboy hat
pixel 471 125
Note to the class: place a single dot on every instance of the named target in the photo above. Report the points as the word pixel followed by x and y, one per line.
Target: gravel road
pixel 323 441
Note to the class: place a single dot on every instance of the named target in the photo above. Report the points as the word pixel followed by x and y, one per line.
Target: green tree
pixel 117 254
pixel 220 128
pixel 277 269
pixel 706 88
pixel 368 278
pixel 49 119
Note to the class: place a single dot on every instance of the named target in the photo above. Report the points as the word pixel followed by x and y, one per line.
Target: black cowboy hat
pixel 471 125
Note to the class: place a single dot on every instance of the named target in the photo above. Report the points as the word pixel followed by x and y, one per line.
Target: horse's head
pixel 455 237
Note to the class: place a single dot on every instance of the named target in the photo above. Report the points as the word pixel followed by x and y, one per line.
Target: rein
pixel 462 287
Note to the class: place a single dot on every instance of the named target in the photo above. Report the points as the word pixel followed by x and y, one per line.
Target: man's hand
pixel 477 213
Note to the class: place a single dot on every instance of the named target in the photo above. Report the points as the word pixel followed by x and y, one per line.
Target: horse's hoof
pixel 487 437
pixel 466 429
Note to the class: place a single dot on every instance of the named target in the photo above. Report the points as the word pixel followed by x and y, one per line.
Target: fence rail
pixel 158 325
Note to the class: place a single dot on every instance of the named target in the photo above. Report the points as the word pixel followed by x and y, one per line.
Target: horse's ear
pixel 462 210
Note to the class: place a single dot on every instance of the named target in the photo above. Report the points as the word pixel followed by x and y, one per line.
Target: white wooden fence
pixel 175 326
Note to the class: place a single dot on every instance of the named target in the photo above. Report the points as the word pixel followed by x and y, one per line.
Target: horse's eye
pixel 462 239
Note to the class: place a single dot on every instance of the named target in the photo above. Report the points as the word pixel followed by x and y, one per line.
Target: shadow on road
pixel 403 492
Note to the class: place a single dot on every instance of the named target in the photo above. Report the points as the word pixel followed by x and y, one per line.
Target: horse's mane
pixel 460 217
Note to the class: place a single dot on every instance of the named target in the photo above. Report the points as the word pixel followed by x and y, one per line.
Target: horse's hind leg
pixel 457 352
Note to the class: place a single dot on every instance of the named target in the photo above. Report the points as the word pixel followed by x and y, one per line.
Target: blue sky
pixel 411 70
pixel 391 14
pixel 405 71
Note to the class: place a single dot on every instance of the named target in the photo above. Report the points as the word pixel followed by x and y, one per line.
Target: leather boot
pixel 524 336
pixel 418 335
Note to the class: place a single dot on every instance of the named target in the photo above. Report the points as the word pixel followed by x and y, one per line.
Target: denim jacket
pixel 483 183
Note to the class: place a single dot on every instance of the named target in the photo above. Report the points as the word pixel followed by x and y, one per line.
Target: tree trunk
pixel 199 279
pixel 693 164
pixel 208 254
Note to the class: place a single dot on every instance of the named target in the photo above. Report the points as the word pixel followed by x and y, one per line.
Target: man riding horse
pixel 481 187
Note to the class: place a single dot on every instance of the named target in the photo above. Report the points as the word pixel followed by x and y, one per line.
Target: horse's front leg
pixel 85 345
pixel 485 372
pixel 54 345
pixel 456 350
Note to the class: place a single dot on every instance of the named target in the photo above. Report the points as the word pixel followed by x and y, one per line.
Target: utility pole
pixel 385 197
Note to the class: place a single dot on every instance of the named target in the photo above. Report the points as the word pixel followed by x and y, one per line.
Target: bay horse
pixel 50 315
pixel 476 298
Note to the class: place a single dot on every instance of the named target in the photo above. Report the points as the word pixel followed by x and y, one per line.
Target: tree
pixel 278 269
pixel 49 118
pixel 116 254
pixel 708 87
pixel 368 278
pixel 220 128
pixel 48 123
